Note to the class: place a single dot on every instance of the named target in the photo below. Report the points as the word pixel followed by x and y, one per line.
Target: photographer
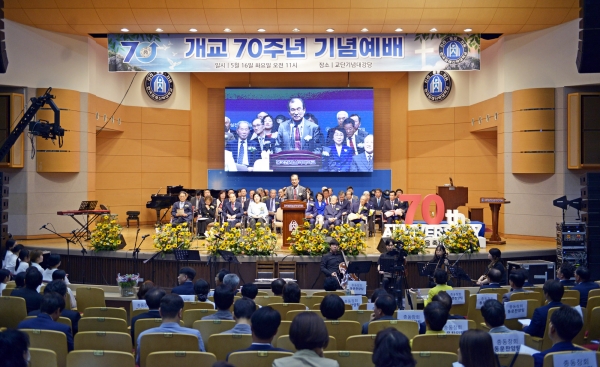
pixel 398 257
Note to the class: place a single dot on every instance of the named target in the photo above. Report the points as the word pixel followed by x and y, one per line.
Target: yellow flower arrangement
pixel 169 238
pixel 352 240
pixel 460 238
pixel 221 239
pixel 412 237
pixel 105 237
pixel 306 241
pixel 258 242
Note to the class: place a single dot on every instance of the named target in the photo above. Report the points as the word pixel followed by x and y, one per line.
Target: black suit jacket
pixel 74 316
pixel 268 144
pixel 237 210
pixel 253 150
pixel 269 203
pixel 33 300
pixel 186 288
pixel 146 315
pixel 377 206
pixel 344 206
pixel 208 213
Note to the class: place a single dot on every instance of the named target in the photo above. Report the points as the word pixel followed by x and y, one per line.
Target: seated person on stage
pixel 182 211
pixel 391 209
pixel 201 289
pixel 553 292
pixel 310 214
pixel 265 321
pixel 207 215
pixel 272 204
pixel 223 300
pixel 320 205
pixel 385 305
pixel 33 300
pixel 291 293
pixel 445 299
pixel 584 285
pixel 185 280
pixel 153 298
pixel 59 287
pixel 402 205
pixel 494 315
pixel 495 257
pixel 391 253
pixel 330 262
pixel 257 212
pixel 441 278
pixel 565 324
pixel 250 291
pixel 360 210
pixel 331 284
pixel 277 286
pixel 344 204
pixel 333 214
pixel 565 273
pixel 332 307
pixel 243 309
pixel 516 279
pixel 494 278
pixel 52 306
pixel 171 308
pixel 62 276
pixel 232 281
pixel 232 211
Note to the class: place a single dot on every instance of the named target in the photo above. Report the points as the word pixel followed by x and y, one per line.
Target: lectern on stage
pixel 453 196
pixel 293 217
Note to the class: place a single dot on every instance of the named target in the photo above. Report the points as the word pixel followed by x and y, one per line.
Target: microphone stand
pixel 136 255
pixel 134 246
pixel 69 241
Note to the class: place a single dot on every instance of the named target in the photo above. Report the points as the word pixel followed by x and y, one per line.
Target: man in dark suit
pixel 385 305
pixel 332 214
pixel 186 282
pixel 364 162
pixel 272 204
pixel 265 322
pixel 232 211
pixel 310 214
pixel 298 133
pixel 361 211
pixel 354 140
pixel 344 204
pixel 565 273
pixel 50 310
pixel 295 191
pixel 59 287
pixel 182 211
pixel 152 297
pixel 553 292
pixel 402 205
pixel 245 151
pixel 565 324
pixel 494 275
pixel 33 300
pixel 390 209
pixel 584 285
pixel 266 144
pixel 377 201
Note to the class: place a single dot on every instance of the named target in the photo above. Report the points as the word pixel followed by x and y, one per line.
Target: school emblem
pixel 453 49
pixel 437 86
pixel 159 86
pixel 293 225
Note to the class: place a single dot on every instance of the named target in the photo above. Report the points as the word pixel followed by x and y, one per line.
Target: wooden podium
pixel 495 204
pixel 293 216
pixel 453 196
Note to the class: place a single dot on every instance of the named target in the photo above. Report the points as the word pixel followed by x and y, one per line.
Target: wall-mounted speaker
pixel 588 53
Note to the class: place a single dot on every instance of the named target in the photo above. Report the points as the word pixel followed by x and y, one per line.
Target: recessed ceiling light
pixel 159 29
pixel 295 30
pixel 433 30
pixel 261 30
pixel 398 30
pixel 193 30
pixel 330 30
pixel 364 30
pixel 124 30
pixel 227 30
pixel 468 29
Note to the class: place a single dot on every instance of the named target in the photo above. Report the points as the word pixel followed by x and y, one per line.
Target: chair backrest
pixel 592 302
pixel 413 299
pixel 341 330
pixel 594 324
pixel 222 344
pixel 572 293
pixel 514 324
pixel 499 291
pixel 210 327
pixel 439 342
pixel 190 316
pixel 159 342
pixel 99 358
pixel 571 301
pixel 592 293
pixel 103 340
pixel 62 320
pixel 286 269
pixel 279 215
pixel 309 301
pixel 265 269
pixel 197 306
pixel 113 312
pixel 284 329
pixel 12 311
pixel 256 358
pixel 523 360
pixel 350 358
pixel 473 313
pixel 284 342
pixel 365 343
pixel 435 359
pixel 520 296
pixel 324 293
pixel 134 313
pixel 579 338
pixel 408 328
pixel 360 316
pixel 180 359
pixel 317 306
pixel 49 339
pixel 89 297
pixel 265 300
pixel 289 316
pixel 463 309
pixel 549 358
pixel 11 284
pixel 42 358
pixel 103 324
pixel 533 342
pixel 283 308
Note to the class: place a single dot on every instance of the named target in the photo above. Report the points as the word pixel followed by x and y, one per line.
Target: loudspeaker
pixel 589 37
pixel 123 243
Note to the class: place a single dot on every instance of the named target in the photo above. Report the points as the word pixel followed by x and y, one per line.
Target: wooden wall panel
pixel 533 163
pixel 216 118
pixel 533 120
pixel 533 98
pixel 533 141
pixel 382 130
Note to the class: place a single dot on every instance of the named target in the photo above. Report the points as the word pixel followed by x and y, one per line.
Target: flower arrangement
pixel 257 242
pixel 306 241
pixel 221 239
pixel 460 238
pixel 412 237
pixel 126 283
pixel 105 237
pixel 169 237
pixel 352 240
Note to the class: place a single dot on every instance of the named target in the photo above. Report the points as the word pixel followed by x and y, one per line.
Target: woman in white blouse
pixel 257 211
pixel 23 263
pixel 13 256
pixel 35 258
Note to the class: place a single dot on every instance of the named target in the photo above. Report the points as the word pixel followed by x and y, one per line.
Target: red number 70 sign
pixel 413 202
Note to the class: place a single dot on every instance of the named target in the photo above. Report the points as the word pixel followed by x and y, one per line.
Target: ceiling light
pixel 398 30
pixel 124 30
pixel 295 30
pixel 227 30
pixel 261 30
pixel 330 30
pixel 159 29
pixel 193 30
pixel 433 30
pixel 364 30
pixel 468 29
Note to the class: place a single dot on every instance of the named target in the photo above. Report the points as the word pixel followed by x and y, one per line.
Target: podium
pixel 293 217
pixel 453 196
pixel 495 204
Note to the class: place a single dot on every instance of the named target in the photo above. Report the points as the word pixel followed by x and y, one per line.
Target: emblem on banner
pixel 437 86
pixel 293 225
pixel 453 49
pixel 159 86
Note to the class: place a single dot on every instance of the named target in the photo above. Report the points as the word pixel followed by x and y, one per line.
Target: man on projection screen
pixel 298 133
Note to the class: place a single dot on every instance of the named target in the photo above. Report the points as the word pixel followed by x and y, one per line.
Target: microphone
pixel 144 236
pixel 44 226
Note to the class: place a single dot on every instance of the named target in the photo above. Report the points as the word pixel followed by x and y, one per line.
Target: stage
pixel 102 267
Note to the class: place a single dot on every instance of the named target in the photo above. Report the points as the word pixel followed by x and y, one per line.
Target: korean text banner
pixel 285 53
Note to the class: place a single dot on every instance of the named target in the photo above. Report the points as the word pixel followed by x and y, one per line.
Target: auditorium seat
pixel 49 339
pixel 341 330
pixel 549 358
pixel 350 358
pixel 99 358
pixel 289 316
pixel 324 293
pixel 222 344
pixel 409 328
pixel 12 311
pixel 435 359
pixel 463 309
pixel 113 312
pixel 591 304
pixel 135 313
pixel 103 324
pixel 42 358
pixel 145 324
pixel 211 327
pixel 284 342
pixel 572 293
pixel 255 358
pixel 197 306
pixel 571 301
pixel 594 324
pixel 473 313
pixel 165 342
pixel 514 324
pixel 523 360
pixel 360 316
pixel 103 340
pixel 89 297
pixel 317 306
pixel 309 301
pixel 180 359
pixel 438 342
pixel 284 308
pixel 283 329
pixel 190 316
pixel 498 291
pixel 520 296
pixel 579 338
pixel 61 319
pixel 594 293
pixel 365 343
pixel 265 300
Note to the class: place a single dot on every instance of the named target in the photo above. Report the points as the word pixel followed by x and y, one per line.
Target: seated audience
pixel 232 281
pixel 309 335
pixel 392 349
pixel 584 284
pixel 385 305
pixel 14 349
pixel 185 280
pixel 565 324
pixel 516 279
pixel 20 280
pixel 33 300
pixel 4 278
pixel 52 306
pixel 331 284
pixel 171 308
pixel 441 278
pixel 243 309
pixel 58 286
pixel 250 290
pixel 36 257
pixel 22 262
pixel 277 286
pixel 223 300
pixel 332 307
pixel 376 293
pixel 291 293
pixel 565 273
pixel 62 276
pixel 436 315
pixel 494 277
pixel 553 292
pixel 526 276
pixel 144 288
pixel 53 264
pixel 445 299
pixel 12 257
pixel 220 275
pixel 494 315
pixel 153 298
pixel 201 289
pixel 477 350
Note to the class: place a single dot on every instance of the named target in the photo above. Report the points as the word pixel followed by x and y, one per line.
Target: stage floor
pixel 514 248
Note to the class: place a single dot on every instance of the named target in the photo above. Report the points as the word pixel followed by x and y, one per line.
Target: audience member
pixel 477 350
pixel 376 293
pixel 153 297
pixel 309 335
pixel 584 285
pixel 22 261
pixel 291 293
pixel 392 349
pixel 494 315
pixel 14 349
pixel 332 307
pixel 250 290
pixel 232 281
pixel 565 324
pixel 4 278
pixel 52 306
pixel 565 273
pixel 277 286
pixel 20 280
pixel 33 300
pixel 441 278
pixel 62 276
pixel 243 309
pixel 8 254
pixel 35 259
pixel 220 275
pixel 202 288
pixel 58 286
pixel 526 276
pixel 445 299
pixel 223 300
pixel 385 305
pixel 331 284
pixel 436 315
pixel 494 277
pixel 185 280
pixel 516 279
pixel 553 292
pixel 12 256
pixel 144 288
pixel 53 264
pixel 171 308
